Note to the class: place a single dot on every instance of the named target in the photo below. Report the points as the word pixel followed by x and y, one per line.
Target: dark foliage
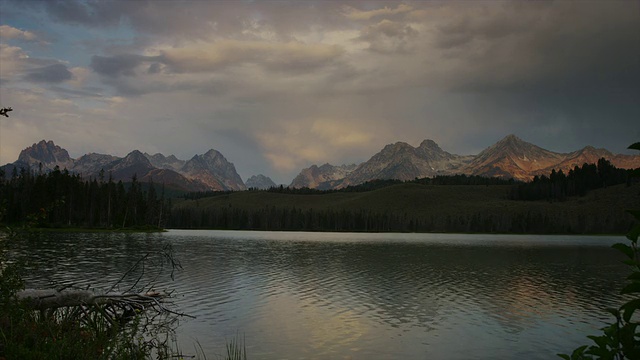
pixel 272 218
pixel 194 195
pixel 465 180
pixel 558 186
pixel 620 339
pixel 59 198
pixel 368 186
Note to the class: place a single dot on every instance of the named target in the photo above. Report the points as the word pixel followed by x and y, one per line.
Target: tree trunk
pixel 53 299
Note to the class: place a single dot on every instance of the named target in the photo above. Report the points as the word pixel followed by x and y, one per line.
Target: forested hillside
pixel 441 204
pixel 412 207
pixel 579 181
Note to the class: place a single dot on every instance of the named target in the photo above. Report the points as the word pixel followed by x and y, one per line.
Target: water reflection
pixel 305 295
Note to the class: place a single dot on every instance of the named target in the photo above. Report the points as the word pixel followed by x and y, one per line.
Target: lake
pixel 360 296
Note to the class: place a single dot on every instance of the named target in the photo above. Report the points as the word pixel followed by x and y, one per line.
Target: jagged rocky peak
pixel 206 160
pixel 136 156
pixel 47 153
pixel 165 162
pixel 428 149
pixel 134 159
pixel 595 151
pixel 155 157
pixel 92 163
pixel 429 144
pixel 514 146
pixel 404 162
pixel 324 176
pixel 213 155
pixel 213 169
pixel 512 138
pixel 396 147
pixel 512 157
pixel 512 142
pixel 260 182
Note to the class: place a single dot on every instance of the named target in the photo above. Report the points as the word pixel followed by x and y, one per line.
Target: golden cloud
pixel 209 57
pixel 355 14
pixel 338 134
pixel 9 32
pixel 12 59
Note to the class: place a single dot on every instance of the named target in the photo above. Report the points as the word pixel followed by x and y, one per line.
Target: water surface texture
pixel 361 296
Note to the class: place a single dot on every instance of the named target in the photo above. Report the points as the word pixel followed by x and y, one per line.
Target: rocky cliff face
pixel 173 179
pixel 135 163
pixel 512 157
pixel 213 170
pixel 46 153
pixel 591 155
pixel 169 162
pixel 509 157
pixel 210 171
pixel 91 164
pixel 404 162
pixel 260 182
pixel 326 176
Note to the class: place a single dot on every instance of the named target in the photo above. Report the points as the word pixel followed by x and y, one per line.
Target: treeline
pixel 580 180
pixel 271 218
pixel 465 180
pixel 194 195
pixel 59 198
pixel 368 186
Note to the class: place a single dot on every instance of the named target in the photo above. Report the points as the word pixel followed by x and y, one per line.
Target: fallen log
pixel 40 299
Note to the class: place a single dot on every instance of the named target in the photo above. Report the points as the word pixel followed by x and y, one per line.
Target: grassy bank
pixel 413 207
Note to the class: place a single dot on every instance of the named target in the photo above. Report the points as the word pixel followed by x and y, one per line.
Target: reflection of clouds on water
pixel 314 295
pixel 309 330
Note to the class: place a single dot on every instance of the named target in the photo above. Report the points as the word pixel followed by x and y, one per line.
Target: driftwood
pixel 116 309
pixel 41 299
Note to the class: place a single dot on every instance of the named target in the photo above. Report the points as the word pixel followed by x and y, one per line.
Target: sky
pixel 277 86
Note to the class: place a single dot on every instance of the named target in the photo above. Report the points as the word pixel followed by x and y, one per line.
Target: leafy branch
pixel 620 340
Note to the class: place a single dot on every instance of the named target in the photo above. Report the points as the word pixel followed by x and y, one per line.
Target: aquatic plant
pixel 620 339
pixel 79 323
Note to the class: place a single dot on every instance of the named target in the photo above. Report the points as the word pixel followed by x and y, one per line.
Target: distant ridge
pixel 326 176
pixel 511 157
pixel 260 182
pixel 404 162
pixel 210 171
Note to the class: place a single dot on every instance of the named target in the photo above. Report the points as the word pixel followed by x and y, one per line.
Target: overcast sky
pixel 277 86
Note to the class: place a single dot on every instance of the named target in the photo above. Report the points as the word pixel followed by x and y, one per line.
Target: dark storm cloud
pixel 293 76
pixel 570 67
pixel 91 13
pixel 55 73
pixel 119 65
pixel 545 46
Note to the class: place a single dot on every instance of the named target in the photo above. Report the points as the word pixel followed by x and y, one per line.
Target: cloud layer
pixel 278 86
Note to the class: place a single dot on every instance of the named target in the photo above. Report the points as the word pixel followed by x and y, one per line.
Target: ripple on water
pixel 300 295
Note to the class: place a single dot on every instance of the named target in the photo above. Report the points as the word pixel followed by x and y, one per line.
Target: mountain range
pixel 209 171
pixel 510 157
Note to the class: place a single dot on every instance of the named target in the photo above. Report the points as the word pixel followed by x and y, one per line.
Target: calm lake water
pixel 361 296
